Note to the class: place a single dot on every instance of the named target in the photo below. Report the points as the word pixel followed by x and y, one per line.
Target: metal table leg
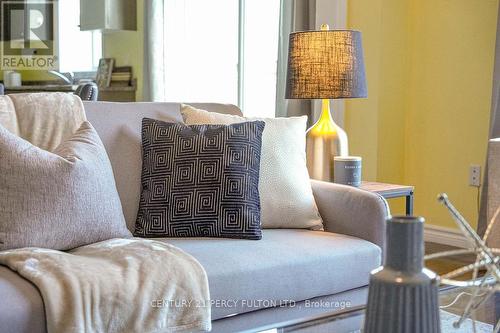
pixel 409 204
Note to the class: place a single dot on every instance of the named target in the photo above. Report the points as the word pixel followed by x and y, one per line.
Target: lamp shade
pixel 326 64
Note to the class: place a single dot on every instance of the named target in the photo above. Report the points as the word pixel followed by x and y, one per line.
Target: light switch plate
pixel 475 175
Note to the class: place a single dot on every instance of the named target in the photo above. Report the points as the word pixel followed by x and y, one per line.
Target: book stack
pixel 121 76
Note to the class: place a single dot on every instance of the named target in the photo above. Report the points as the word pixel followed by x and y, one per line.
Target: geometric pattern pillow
pixel 200 181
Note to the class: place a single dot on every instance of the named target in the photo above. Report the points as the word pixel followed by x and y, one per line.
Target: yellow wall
pixel 429 71
pixel 365 16
pixel 127 48
pixel 35 76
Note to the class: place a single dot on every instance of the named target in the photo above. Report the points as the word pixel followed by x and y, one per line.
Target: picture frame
pixel 104 70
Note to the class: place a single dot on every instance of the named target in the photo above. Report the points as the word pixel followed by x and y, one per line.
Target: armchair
pixel 87 91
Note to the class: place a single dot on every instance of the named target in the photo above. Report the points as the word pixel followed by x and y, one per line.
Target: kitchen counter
pixel 41 88
pixel 112 93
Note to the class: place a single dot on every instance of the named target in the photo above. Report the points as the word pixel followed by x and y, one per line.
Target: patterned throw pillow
pixel 200 181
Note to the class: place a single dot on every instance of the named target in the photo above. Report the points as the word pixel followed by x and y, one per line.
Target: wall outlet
pixel 475 175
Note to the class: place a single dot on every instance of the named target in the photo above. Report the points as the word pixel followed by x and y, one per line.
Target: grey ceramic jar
pixel 403 295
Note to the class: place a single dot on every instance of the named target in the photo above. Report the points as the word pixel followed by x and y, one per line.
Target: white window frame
pixel 241 51
pixel 96 48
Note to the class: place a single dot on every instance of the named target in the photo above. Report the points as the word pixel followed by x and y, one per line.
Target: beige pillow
pixel 58 200
pixel 286 196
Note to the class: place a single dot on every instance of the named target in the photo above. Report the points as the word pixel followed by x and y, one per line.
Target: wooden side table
pixel 389 191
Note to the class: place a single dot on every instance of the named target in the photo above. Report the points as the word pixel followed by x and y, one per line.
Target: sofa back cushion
pixel 119 126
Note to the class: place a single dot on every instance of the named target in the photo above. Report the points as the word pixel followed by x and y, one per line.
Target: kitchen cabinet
pixel 108 15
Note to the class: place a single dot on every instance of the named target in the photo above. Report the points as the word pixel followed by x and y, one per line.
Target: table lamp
pixel 325 64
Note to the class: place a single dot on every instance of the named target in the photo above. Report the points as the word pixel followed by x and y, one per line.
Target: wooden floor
pixel 455 300
pixel 445 265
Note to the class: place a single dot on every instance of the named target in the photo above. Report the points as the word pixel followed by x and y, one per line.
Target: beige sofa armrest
pixel 350 211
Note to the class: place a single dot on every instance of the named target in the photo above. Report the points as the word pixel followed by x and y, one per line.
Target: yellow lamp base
pixel 324 140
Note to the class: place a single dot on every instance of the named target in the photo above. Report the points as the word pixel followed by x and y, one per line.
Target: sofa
pixel 288 274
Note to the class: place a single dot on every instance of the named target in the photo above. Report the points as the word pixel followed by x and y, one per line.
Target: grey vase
pixel 403 295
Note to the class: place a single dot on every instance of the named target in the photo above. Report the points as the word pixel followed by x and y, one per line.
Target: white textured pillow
pixel 61 199
pixel 285 190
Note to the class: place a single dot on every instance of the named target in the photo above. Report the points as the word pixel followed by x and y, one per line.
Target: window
pixel 222 51
pixel 79 51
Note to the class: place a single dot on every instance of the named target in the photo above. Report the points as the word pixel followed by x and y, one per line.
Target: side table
pixel 389 191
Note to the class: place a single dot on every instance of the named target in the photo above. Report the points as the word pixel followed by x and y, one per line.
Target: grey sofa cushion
pixel 21 308
pixel 286 264
pixel 200 181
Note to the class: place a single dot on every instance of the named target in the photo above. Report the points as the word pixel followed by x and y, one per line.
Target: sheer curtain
pixel 495 103
pixel 154 50
pixel 228 56
pixel 494 130
pixel 295 15
pixel 189 55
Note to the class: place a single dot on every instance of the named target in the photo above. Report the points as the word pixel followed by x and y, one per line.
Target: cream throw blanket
pixel 44 119
pixel 119 285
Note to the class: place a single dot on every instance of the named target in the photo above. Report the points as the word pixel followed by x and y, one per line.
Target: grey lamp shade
pixel 326 64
